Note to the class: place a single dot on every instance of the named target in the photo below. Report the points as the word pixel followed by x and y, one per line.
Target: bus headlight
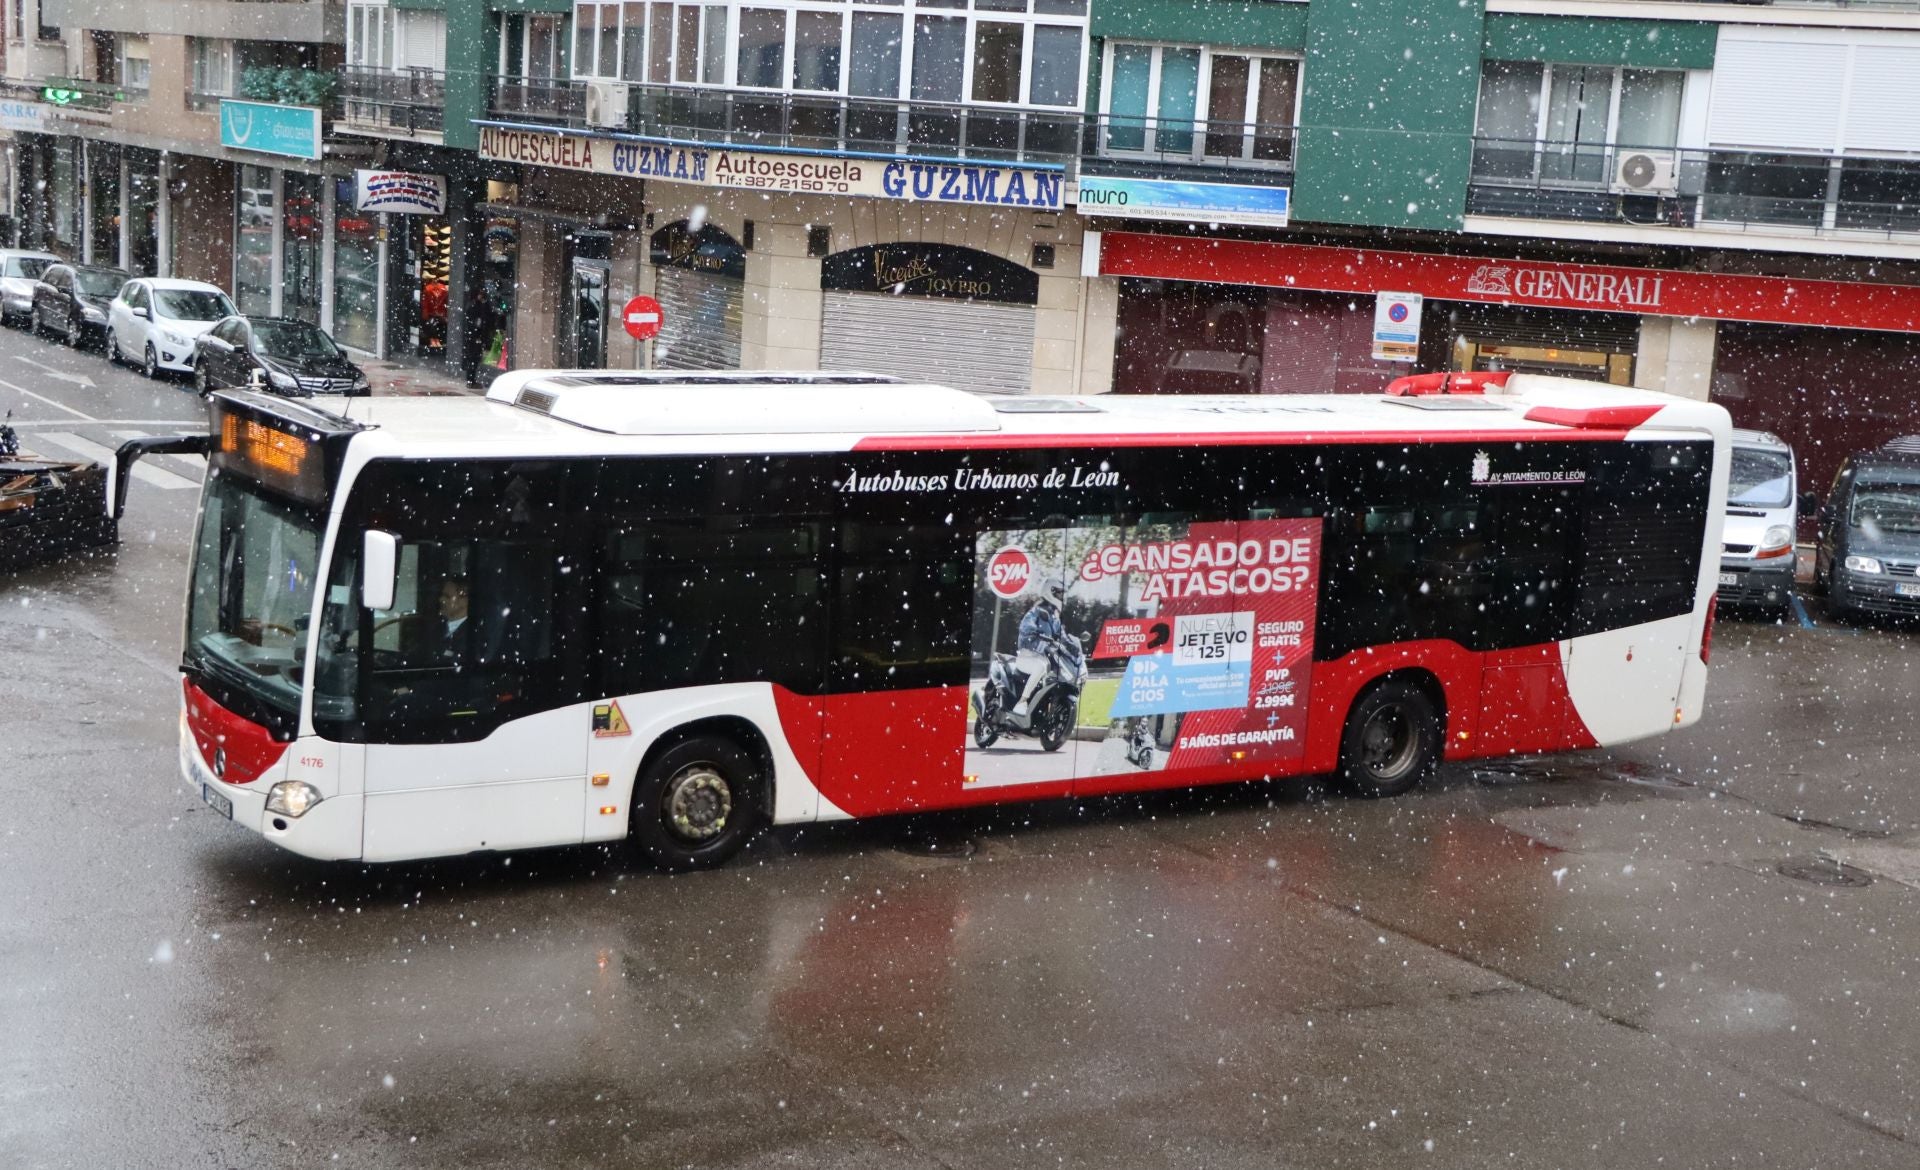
pixel 1863 565
pixel 292 798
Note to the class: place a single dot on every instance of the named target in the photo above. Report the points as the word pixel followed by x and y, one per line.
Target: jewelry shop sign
pixel 993 184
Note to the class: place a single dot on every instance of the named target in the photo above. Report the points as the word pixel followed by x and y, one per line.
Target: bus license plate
pixel 216 802
pixel 1729 578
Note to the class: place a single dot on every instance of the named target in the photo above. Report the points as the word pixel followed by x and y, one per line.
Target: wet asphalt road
pixel 1586 961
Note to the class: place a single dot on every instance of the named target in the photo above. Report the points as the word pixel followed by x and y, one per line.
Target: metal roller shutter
pixel 699 320
pixel 970 345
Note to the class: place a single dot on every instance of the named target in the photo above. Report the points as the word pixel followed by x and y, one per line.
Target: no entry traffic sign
pixel 641 317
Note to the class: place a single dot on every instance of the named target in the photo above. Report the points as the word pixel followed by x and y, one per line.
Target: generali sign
pixel 924 182
pixel 1659 292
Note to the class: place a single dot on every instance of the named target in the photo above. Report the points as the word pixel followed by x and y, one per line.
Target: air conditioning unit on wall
pixel 606 103
pixel 1646 172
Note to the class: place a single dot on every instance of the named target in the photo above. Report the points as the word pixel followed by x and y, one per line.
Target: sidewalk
pixel 408 380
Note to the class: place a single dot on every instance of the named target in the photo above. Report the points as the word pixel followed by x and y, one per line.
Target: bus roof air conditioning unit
pixel 606 104
pixel 1646 172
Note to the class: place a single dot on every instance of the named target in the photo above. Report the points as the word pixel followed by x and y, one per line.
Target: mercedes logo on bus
pixel 220 762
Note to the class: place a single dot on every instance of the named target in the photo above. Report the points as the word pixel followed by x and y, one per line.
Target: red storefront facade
pixel 1826 364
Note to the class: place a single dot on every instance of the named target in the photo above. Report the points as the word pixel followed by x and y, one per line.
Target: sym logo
pixel 1009 572
pixel 220 762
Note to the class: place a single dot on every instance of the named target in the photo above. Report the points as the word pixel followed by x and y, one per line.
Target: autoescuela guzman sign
pixel 924 182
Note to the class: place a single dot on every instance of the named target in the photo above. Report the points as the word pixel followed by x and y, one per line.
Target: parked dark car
pixel 71 301
pixel 1867 555
pixel 291 357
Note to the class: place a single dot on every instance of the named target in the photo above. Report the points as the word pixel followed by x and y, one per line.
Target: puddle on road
pixel 1645 777
pixel 1824 871
pixel 1505 773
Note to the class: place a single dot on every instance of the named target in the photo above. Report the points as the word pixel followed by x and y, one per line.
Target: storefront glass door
pixel 302 228
pixel 255 217
pixel 356 272
pixel 587 296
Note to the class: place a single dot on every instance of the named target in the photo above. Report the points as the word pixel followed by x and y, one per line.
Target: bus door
pixel 469 695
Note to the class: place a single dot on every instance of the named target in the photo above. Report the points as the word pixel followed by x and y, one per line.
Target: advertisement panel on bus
pixel 1151 647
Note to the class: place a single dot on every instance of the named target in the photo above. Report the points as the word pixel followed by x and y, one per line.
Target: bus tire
pixel 1391 742
pixel 697 803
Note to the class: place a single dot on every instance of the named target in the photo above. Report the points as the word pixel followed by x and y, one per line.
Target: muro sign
pixel 802 174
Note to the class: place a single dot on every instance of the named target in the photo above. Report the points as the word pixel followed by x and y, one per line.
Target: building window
pixel 369 36
pixel 532 46
pixel 1562 123
pixel 135 67
pixel 1200 103
pixel 1001 52
pixel 211 62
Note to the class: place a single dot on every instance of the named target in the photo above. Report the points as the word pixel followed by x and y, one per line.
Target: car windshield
pixel 1760 479
pixel 28 266
pixel 254 573
pixel 293 341
pixel 99 282
pixel 1881 508
pixel 191 304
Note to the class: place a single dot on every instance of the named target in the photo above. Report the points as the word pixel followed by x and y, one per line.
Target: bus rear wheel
pixel 1392 740
pixel 697 803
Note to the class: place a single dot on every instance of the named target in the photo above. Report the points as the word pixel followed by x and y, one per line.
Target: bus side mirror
pixel 380 565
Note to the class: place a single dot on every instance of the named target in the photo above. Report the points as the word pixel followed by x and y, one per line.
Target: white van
pixel 1756 553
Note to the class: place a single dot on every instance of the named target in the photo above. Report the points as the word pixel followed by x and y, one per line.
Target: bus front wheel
pixel 1392 740
pixel 697 803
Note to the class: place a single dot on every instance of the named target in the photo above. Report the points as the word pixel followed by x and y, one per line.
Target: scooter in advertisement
pixel 1056 701
pixel 1140 744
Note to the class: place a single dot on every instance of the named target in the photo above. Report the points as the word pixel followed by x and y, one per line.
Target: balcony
pixel 1125 144
pixel 756 119
pixel 537 99
pixel 1765 193
pixel 404 103
pixel 76 94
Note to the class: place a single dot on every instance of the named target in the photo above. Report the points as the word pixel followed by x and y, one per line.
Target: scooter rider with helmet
pixel 1039 630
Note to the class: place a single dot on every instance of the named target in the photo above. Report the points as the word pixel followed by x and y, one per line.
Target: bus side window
pixel 690 602
pixel 1639 559
pixel 901 607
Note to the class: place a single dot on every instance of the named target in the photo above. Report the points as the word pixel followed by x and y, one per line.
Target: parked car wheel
pixel 76 334
pixel 150 364
pixel 114 356
pixel 201 382
pixel 38 323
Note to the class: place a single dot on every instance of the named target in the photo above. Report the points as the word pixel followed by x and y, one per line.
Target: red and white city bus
pixel 680 607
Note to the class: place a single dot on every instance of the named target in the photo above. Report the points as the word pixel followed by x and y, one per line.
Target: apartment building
pixel 1722 199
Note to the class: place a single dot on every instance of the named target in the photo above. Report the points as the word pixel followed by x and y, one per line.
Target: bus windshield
pixel 254 572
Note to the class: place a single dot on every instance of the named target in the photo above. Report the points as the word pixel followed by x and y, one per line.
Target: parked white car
pixel 155 321
pixel 19 272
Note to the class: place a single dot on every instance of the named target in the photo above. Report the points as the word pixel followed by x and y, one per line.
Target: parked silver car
pixel 19 273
